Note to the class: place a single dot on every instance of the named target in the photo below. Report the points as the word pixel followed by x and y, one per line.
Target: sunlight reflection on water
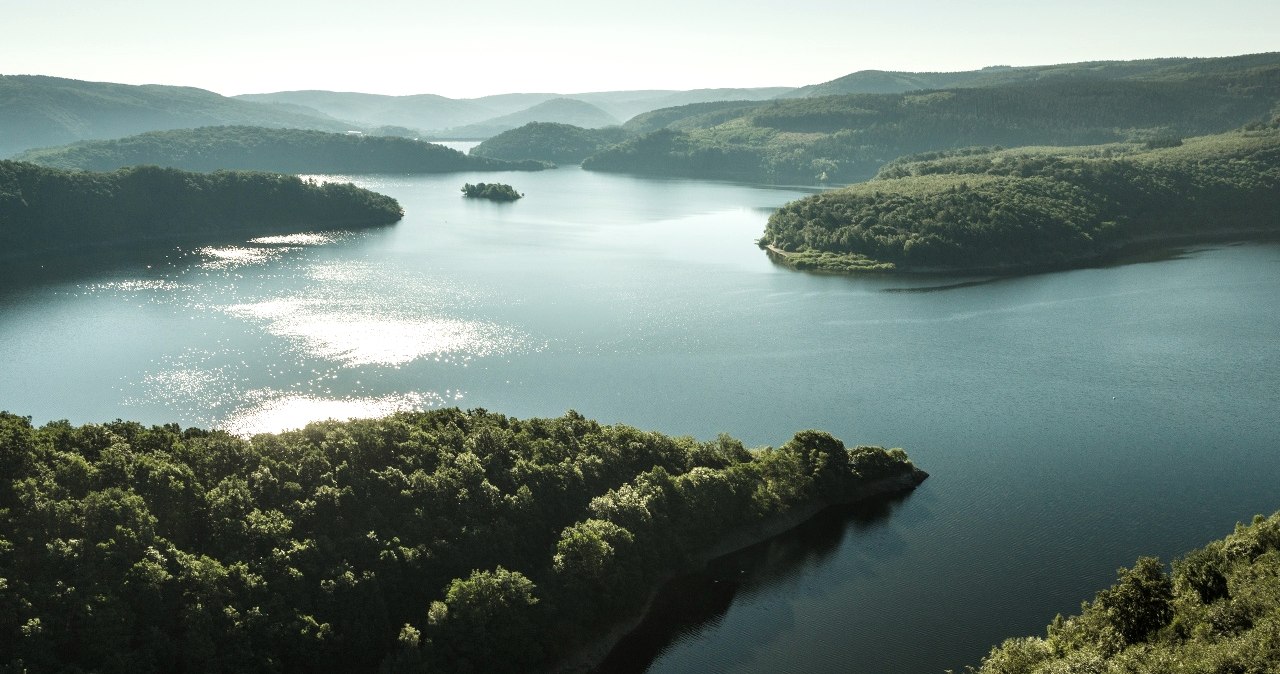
pixel 273 411
pixel 320 329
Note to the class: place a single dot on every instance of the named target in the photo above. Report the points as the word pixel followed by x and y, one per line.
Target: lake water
pixel 1071 421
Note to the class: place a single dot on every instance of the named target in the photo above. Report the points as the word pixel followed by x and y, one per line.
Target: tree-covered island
pixel 1218 611
pixel 491 191
pixel 44 209
pixel 1037 208
pixel 445 540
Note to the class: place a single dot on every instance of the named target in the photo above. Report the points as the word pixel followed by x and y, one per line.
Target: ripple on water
pixel 233 257
pixel 299 239
pixel 133 286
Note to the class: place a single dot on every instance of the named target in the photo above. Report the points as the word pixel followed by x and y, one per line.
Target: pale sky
pixel 481 47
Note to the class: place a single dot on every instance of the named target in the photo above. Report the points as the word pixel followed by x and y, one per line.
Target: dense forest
pixel 1218 611
pixel 1037 207
pixel 263 149
pixel 429 541
pixel 46 209
pixel 491 191
pixel 548 141
pixel 847 138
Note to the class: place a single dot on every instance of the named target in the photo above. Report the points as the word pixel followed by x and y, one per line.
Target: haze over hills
pixel 557 110
pixel 39 111
pixel 379 110
pixel 429 112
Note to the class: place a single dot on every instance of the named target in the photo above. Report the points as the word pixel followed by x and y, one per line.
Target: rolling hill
pixel 38 111
pixel 261 149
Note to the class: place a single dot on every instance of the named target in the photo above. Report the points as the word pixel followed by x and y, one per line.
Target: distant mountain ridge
pixel 40 111
pixel 557 110
pixel 430 113
pixel 891 82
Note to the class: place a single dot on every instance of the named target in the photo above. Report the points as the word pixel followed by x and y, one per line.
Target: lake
pixel 1071 421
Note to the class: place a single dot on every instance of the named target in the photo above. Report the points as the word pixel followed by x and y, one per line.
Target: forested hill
pixel 421 542
pixel 1035 208
pixel 557 110
pixel 1218 611
pixel 548 141
pixel 888 82
pixel 841 139
pixel 37 111
pixel 262 149
pixel 43 209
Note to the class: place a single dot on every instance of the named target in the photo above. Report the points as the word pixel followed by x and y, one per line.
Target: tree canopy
pixel 446 540
pixel 1218 611
pixel 491 191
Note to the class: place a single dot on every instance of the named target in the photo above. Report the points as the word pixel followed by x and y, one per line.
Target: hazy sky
pixel 480 47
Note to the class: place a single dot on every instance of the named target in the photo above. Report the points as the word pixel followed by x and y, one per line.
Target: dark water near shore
pixel 1071 421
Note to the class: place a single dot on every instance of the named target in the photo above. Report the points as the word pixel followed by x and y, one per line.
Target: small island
pixel 491 191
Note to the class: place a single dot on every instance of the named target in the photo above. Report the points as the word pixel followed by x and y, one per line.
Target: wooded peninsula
pixel 1036 208
pixel 44 209
pixel 446 540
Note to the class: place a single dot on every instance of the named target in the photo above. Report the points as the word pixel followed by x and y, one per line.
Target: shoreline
pixel 1114 254
pixel 586 658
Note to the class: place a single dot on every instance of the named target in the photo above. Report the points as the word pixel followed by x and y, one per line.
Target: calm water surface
pixel 1071 421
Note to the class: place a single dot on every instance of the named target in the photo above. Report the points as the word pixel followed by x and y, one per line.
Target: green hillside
pixel 261 149
pixel 38 111
pixel 548 141
pixel 421 542
pixel 842 139
pixel 1031 208
pixel 1219 611
pixel 43 209
pixel 420 111
pixel 887 82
